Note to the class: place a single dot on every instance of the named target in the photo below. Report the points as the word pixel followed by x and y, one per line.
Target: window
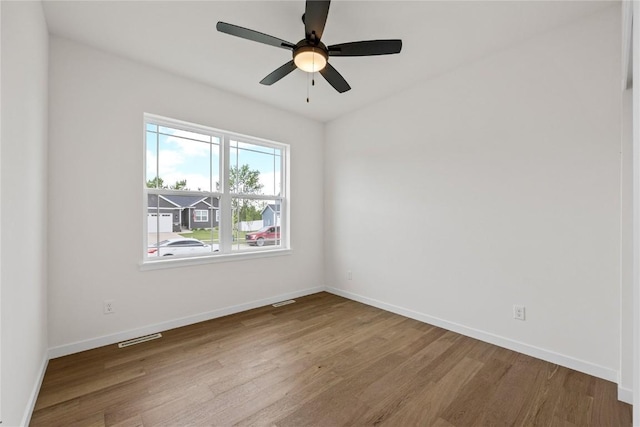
pixel 211 192
pixel 201 216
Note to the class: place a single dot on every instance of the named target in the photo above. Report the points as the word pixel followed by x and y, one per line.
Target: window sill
pixel 211 259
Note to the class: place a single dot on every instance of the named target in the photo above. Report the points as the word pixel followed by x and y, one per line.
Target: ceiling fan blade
pixel 252 35
pixel 335 79
pixel 315 17
pixel 366 48
pixel 279 73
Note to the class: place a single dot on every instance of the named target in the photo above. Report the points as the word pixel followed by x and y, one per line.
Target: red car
pixel 266 235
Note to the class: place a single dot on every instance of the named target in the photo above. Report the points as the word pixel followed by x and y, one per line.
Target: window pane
pixel 187 164
pixel 216 179
pixel 201 215
pixel 179 133
pixel 256 223
pixel 203 224
pixel 162 224
pixel 172 220
pixel 255 169
pixel 152 159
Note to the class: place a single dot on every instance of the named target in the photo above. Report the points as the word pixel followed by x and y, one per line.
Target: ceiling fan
pixel 310 54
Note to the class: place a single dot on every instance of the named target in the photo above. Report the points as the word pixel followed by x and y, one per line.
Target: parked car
pixel 264 236
pixel 185 246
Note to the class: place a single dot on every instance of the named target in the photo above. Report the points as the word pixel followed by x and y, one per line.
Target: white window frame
pixel 226 252
pixel 199 213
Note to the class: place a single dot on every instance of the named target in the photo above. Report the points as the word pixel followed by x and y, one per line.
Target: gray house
pixel 271 214
pixel 181 212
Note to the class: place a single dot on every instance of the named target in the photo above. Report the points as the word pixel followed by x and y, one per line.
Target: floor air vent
pixel 139 340
pixel 281 303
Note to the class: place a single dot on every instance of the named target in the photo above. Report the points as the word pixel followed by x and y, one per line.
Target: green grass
pixel 206 235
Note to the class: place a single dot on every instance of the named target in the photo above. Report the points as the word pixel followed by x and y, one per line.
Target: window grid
pixel 201 215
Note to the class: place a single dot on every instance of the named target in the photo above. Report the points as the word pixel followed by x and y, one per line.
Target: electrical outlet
pixel 109 306
pixel 518 312
pixel 349 275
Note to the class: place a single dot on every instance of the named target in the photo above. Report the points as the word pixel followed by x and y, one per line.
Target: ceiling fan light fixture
pixel 310 59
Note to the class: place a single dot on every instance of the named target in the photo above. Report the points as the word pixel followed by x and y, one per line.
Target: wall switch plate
pixel 518 312
pixel 349 275
pixel 109 306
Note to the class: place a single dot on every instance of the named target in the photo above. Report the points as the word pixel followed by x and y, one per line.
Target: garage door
pixel 166 223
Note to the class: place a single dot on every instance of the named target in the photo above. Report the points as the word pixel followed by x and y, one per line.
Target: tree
pixel 249 212
pixel 244 181
pixel 158 182
pixel 180 185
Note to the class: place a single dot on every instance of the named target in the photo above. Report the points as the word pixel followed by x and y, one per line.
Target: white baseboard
pixel 31 404
pixel 539 353
pixel 89 344
pixel 625 395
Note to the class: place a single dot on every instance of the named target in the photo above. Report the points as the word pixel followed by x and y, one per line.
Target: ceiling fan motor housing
pixel 310 57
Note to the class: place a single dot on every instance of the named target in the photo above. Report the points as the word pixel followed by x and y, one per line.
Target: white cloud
pixel 171 170
pixel 267 181
pixel 189 147
pixel 151 164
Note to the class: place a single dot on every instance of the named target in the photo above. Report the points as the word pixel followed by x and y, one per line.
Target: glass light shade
pixel 310 60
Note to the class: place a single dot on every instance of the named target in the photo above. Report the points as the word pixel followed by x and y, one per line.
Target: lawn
pixel 206 235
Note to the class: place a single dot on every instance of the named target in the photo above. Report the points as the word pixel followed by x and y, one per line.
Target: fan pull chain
pixel 313 80
pixel 313 59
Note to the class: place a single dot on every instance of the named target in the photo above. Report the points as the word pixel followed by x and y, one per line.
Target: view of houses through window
pixel 210 192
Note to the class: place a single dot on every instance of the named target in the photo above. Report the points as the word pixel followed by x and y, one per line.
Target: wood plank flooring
pixel 323 361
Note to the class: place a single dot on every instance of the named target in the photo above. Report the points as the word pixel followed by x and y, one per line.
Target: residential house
pixel 271 214
pixel 171 212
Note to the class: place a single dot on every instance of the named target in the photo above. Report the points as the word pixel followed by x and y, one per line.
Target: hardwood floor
pixel 323 361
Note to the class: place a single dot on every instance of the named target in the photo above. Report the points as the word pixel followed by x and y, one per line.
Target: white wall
pixel 513 162
pixel 97 102
pixel 626 247
pixel 23 166
pixel 636 215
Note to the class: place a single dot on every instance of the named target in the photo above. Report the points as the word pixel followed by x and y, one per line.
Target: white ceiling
pixel 180 37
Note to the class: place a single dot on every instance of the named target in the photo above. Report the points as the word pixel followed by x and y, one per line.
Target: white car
pixel 185 246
